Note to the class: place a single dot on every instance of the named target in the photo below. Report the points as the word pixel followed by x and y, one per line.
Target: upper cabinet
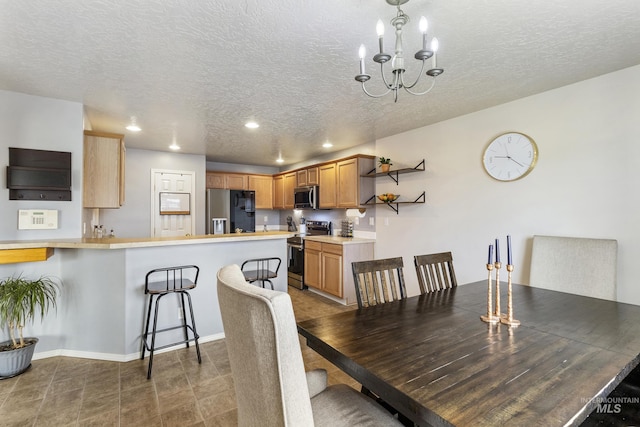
pixel 350 187
pixel 341 185
pixel 308 176
pixel 289 185
pixel 278 192
pixel 263 186
pixel 327 185
pixel 230 181
pixel 103 170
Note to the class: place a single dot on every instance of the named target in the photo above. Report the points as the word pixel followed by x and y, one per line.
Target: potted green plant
pixel 385 164
pixel 20 300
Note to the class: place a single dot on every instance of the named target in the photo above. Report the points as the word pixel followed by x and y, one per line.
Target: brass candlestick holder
pixel 489 318
pixel 508 318
pixel 498 265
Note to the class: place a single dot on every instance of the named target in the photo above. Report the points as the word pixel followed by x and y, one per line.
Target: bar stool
pixel 165 281
pixel 261 270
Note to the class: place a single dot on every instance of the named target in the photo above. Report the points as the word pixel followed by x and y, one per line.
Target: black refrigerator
pixel 231 209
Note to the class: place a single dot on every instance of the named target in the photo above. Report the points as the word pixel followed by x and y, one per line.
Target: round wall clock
pixel 510 156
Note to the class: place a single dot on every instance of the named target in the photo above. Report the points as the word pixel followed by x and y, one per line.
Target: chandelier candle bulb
pixel 434 47
pixel 423 29
pixel 362 53
pixel 380 31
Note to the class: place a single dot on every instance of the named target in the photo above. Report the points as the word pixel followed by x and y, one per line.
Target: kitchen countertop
pixel 337 240
pixel 142 242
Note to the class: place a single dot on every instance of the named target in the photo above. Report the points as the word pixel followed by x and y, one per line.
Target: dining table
pixel 433 359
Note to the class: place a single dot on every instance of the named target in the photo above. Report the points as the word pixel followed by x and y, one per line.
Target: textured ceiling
pixel 195 71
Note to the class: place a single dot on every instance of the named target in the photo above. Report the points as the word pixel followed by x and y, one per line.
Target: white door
pixel 163 222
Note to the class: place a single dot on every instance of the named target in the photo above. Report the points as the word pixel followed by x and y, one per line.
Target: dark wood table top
pixel 432 358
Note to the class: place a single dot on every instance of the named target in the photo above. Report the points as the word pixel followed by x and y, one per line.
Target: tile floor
pixel 64 391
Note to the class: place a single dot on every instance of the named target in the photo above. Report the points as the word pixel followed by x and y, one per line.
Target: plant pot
pixel 384 167
pixel 14 362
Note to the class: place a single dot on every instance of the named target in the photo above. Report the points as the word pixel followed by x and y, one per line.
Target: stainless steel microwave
pixel 306 197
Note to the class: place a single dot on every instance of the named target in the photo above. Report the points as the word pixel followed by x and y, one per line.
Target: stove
pixel 295 251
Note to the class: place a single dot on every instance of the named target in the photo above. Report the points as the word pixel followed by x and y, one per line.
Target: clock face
pixel 510 156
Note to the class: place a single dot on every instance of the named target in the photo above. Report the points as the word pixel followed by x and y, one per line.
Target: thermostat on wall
pixel 32 219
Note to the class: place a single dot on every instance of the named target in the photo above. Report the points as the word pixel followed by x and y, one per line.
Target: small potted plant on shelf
pixel 385 164
pixel 20 300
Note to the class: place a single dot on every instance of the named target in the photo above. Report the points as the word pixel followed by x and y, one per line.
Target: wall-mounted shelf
pixel 373 201
pixel 11 256
pixel 393 174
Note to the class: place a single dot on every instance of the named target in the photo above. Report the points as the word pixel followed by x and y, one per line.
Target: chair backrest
pixel 171 279
pixel 378 281
pixel 575 265
pixel 435 272
pixel 262 268
pixel 264 352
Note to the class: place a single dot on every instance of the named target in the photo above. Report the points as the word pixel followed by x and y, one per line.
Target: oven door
pixel 295 265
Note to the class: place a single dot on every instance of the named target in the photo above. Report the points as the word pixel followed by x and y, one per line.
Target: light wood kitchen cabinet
pixel 103 170
pixel 306 177
pixel 289 185
pixel 312 176
pixel 327 267
pixel 263 186
pixel 312 264
pixel 227 181
pixel 301 178
pixel 278 192
pixel 327 182
pixel 350 186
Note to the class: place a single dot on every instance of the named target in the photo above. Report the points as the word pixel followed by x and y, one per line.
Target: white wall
pixel 42 124
pixel 133 219
pixel 583 184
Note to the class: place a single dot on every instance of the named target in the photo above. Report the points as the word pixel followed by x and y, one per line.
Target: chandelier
pixel 397 61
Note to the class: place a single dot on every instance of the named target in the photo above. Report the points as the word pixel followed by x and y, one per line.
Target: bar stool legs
pixel 174 283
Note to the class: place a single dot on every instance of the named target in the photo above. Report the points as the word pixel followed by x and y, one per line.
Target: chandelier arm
pixel 433 83
pixel 416 81
pixel 375 96
pixel 384 78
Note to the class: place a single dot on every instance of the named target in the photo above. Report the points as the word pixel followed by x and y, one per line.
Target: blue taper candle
pixel 497 250
pixel 490 259
pixel 509 250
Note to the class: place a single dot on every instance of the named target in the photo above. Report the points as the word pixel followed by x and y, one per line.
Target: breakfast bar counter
pixel 101 308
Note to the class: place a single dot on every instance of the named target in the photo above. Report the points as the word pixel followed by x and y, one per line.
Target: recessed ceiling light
pixel 327 145
pixel 280 160
pixel 174 146
pixel 133 126
pixel 252 125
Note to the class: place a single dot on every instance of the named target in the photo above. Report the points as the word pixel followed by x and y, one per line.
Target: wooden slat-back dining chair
pixel 379 281
pixel 435 272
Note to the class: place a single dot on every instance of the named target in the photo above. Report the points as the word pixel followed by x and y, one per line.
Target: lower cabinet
pixel 327 267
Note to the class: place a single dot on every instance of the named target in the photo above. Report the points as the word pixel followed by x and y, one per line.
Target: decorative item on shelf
pixel 385 164
pixel 20 300
pixel 508 318
pixel 398 67
pixel 388 197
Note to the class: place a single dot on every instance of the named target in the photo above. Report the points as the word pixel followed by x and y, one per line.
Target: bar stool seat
pixel 261 270
pixel 164 281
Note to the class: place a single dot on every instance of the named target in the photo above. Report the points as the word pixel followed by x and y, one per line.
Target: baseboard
pixel 111 357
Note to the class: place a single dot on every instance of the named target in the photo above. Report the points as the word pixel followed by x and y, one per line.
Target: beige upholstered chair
pixel 378 281
pixel 435 272
pixel 267 367
pixel 575 265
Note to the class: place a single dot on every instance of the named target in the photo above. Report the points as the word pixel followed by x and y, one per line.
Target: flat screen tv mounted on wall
pixel 39 174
